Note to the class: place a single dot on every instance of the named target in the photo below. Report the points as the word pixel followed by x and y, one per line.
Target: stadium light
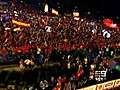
pixel 21 1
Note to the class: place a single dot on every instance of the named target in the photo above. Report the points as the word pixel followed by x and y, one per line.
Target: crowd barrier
pixel 104 86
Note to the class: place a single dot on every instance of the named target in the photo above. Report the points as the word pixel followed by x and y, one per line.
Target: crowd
pixel 79 46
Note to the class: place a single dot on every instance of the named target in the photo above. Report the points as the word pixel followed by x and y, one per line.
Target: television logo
pixel 100 75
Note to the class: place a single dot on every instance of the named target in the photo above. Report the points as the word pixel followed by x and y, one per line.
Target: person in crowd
pixel 27 63
pixel 76 44
pixel 32 63
pixel 40 60
pixel 22 64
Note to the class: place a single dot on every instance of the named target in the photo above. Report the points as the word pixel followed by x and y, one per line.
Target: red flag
pixel 79 73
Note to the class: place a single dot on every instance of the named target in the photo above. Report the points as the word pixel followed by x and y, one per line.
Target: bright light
pixel 75 14
pixel 21 1
pixel 55 12
pixel 46 8
pixel 92 66
pixel 88 12
pixel 82 20
pixel 16 15
pixel 113 25
pixel 75 6
pixel 15 12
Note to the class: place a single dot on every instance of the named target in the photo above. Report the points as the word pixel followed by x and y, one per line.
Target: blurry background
pixel 106 8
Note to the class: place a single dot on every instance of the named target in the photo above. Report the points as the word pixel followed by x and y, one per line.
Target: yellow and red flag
pixel 54 12
pixel 19 23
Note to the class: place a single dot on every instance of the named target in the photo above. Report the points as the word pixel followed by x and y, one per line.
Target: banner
pixel 117 83
pixel 100 86
pixel 104 86
pixel 93 87
pixel 20 23
pixel 24 48
pixel 108 85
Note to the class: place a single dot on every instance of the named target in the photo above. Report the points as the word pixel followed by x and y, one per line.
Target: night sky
pixel 104 7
